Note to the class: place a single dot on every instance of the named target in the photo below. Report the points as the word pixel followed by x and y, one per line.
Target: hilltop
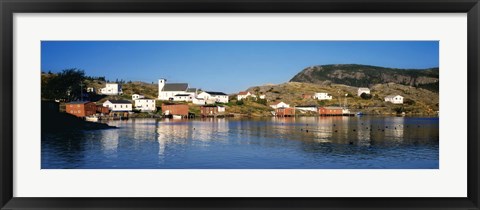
pixel 367 76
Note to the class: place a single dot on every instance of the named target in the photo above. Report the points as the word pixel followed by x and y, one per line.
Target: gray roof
pixel 120 101
pixel 216 93
pixel 191 90
pixel 183 95
pixel 175 87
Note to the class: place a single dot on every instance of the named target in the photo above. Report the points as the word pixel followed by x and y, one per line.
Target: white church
pixel 175 91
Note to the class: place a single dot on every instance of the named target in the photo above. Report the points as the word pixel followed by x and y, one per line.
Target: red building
pixel 285 112
pixel 102 109
pixel 330 110
pixel 81 108
pixel 211 110
pixel 175 109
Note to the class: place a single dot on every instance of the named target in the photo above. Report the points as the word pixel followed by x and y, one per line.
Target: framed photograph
pixel 239 105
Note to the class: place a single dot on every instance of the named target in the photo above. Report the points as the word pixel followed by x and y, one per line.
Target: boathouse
pixel 81 108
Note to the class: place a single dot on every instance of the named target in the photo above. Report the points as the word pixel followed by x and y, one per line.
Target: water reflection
pixel 308 142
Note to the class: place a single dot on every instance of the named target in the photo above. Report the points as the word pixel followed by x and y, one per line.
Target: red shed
pixel 102 109
pixel 330 110
pixel 285 112
pixel 175 109
pixel 81 108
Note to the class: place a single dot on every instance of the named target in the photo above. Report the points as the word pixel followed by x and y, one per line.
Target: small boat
pixel 91 118
pixel 359 113
pixel 177 117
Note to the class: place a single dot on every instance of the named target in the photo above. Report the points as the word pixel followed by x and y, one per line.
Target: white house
pixel 137 96
pixel 262 96
pixel 395 99
pixel 311 108
pixel 90 90
pixel 280 104
pixel 175 91
pixel 118 105
pixel 111 89
pixel 243 95
pixel 363 90
pixel 322 96
pixel 145 104
pixel 199 101
pixel 182 97
pixel 218 97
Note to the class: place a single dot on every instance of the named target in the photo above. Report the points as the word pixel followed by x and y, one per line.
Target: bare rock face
pixel 366 76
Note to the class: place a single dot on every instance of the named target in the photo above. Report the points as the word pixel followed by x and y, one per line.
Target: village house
pixel 81 108
pixel 199 101
pixel 175 91
pixel 322 96
pixel 280 104
pixel 262 96
pixel 211 110
pixel 111 89
pixel 182 97
pixel 310 108
pixel 137 96
pixel 363 90
pixel 243 95
pixel 175 110
pixel 218 97
pixel 395 99
pixel 331 110
pixel 285 112
pixel 145 104
pixel 306 96
pixel 118 105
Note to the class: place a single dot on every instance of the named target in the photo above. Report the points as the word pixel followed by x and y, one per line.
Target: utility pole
pixel 81 91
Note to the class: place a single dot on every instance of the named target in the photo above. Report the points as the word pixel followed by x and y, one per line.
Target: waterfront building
pixel 310 108
pixel 81 108
pixel 145 104
pixel 218 97
pixel 280 104
pixel 363 90
pixel 211 110
pixel 111 89
pixel 175 109
pixel 395 99
pixel 285 112
pixel 322 96
pixel 330 110
pixel 118 105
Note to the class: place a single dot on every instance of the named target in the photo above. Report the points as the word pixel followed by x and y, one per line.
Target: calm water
pixel 282 143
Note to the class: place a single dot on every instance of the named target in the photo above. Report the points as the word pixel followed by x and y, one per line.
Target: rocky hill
pixel 367 76
pixel 418 101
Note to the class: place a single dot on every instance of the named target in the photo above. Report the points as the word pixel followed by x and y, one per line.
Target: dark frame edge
pixel 6 107
pixel 473 50
pixel 7 201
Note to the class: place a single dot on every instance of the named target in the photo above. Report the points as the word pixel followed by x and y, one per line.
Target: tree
pixel 366 96
pixel 65 85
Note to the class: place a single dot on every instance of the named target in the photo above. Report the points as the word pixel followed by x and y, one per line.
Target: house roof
pixel 183 95
pixel 276 103
pixel 363 89
pixel 243 93
pixel 307 106
pixel 120 101
pixel 78 102
pixel 216 93
pixel 175 87
pixel 190 90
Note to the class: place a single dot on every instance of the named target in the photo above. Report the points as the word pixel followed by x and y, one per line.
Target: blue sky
pixel 228 66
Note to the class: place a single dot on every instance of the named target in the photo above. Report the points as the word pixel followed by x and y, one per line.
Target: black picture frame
pixel 9 7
